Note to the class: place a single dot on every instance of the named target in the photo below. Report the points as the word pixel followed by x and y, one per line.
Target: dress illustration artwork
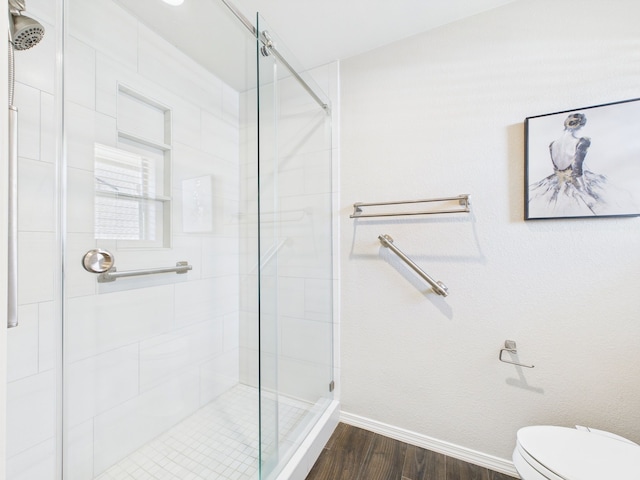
pixel 572 190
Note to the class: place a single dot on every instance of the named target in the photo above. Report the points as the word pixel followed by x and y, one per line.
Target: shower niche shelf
pixel 144 139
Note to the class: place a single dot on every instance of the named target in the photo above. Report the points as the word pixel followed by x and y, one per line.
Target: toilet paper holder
pixel 510 346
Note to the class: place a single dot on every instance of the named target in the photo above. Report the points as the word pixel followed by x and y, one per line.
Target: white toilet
pixel 559 453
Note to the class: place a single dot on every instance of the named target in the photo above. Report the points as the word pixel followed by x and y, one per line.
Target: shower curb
pixel 299 466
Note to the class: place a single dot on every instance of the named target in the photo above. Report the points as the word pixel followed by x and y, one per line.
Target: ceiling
pixel 315 33
pixel 322 31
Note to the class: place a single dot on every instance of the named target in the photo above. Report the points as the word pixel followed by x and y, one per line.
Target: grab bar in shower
pixel 438 287
pixel 112 275
pixel 462 200
pixel 102 262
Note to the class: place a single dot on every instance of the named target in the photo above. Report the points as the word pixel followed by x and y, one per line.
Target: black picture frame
pixel 583 163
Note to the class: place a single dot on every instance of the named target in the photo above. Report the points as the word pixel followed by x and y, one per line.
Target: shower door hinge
pixel 332 386
pixel 267 44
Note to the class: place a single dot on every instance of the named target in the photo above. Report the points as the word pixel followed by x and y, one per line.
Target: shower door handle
pixel 98 261
pixel 12 247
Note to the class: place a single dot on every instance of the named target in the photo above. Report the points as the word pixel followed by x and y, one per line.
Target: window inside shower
pixel 142 146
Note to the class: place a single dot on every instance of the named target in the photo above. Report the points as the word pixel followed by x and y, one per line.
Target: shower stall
pixel 174 275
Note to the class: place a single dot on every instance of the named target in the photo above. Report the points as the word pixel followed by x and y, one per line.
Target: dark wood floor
pixel 356 454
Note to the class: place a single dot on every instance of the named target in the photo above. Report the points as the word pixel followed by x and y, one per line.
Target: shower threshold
pixel 219 441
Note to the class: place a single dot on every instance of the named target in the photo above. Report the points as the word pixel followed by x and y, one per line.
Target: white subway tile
pixel 80 201
pixel 98 323
pixel 36 258
pixel 186 122
pixel 36 196
pixel 230 105
pixel 35 463
pixel 291 181
pixel 105 26
pixel 249 330
pixel 189 162
pixel 220 256
pixel 48 128
pixel 167 66
pixel 106 132
pixel 47 338
pixel 43 10
pixel 306 340
pixel 98 383
pixel 231 332
pixel 81 136
pixel 220 138
pixel 291 295
pixel 303 380
pixel 31 403
pixel 125 428
pixel 78 460
pixel 170 354
pixel 218 375
pixel 249 366
pixel 80 73
pixel 22 344
pixel 108 73
pixel 198 301
pixel 318 170
pixel 317 299
pixel 27 101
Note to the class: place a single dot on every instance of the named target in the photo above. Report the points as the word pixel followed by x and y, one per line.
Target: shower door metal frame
pixel 270 48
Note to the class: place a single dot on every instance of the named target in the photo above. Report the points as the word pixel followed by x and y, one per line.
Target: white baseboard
pixel 477 458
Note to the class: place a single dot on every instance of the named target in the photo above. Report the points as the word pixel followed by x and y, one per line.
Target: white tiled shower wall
pixel 141 353
pixel 296 285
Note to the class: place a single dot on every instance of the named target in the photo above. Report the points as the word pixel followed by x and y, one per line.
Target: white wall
pixel 442 114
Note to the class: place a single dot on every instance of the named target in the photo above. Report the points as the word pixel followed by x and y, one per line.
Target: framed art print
pixel 583 163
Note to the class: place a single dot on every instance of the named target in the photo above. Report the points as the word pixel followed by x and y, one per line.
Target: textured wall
pixel 441 114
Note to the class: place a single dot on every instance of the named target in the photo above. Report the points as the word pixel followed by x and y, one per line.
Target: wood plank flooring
pixel 356 454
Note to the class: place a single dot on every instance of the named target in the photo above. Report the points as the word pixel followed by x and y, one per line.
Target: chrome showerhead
pixel 25 32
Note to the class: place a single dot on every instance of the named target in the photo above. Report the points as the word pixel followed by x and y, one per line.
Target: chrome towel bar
pixel 462 200
pixel 438 287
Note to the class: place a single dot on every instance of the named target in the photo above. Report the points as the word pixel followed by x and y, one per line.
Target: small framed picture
pixel 583 163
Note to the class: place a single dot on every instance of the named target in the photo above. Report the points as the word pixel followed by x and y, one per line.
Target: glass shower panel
pixel 148 158
pixel 158 142
pixel 295 250
pixel 32 398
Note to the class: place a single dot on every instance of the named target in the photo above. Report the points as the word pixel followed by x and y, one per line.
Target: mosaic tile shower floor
pixel 218 442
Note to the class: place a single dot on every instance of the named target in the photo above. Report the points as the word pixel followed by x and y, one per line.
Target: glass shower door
pixel 296 282
pixel 157 143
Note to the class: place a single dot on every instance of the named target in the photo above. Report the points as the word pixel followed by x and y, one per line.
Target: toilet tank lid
pixel 579 455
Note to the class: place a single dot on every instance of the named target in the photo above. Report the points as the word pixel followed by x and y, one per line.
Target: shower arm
pixel 16 7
